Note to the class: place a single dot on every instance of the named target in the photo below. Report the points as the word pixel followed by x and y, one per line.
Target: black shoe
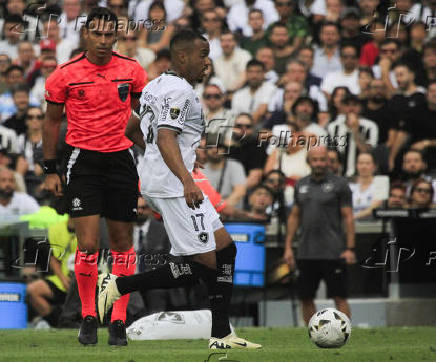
pixel 117 333
pixel 88 330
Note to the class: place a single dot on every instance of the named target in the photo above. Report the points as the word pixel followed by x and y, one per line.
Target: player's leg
pixel 336 277
pixel 123 264
pixel 119 208
pixel 307 284
pixel 83 194
pixel 221 300
pixel 39 293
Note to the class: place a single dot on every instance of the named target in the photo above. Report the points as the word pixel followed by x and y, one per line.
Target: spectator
pixel 376 109
pixel 48 294
pixel 20 96
pixel 209 78
pixel 156 34
pixel 397 196
pixel 421 195
pixel 237 17
pixel 424 12
pixel 429 59
pixel 199 7
pixel 322 203
pixel 258 38
pixel 296 71
pixel 367 11
pixel 219 120
pixel 414 167
pixel 299 118
pixel 350 28
pixel 253 98
pixel 404 104
pixel 8 140
pixel 365 77
pixel 370 51
pixel 64 47
pixel 334 10
pixel 246 149
pixel 276 181
pixel 26 56
pixel 14 76
pixel 5 62
pixel 128 45
pixel 327 58
pixel 281 104
pixel 333 162
pixel 348 76
pixel 13 204
pixel 174 9
pixel 266 56
pixel 70 19
pixel 352 134
pixel 389 54
pixel 226 176
pixel 305 55
pixel 279 40
pixel 260 200
pixel 230 67
pixel 413 55
pixel 298 28
pixel 336 99
pixel 422 131
pixel 212 25
pixel 118 7
pixel 364 201
pixel 30 146
pixel 161 64
pixel 48 65
pixel 12 29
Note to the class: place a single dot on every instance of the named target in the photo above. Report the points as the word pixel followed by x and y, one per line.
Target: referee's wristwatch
pixel 50 167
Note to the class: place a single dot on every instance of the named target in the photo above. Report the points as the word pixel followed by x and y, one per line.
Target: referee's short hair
pixel 185 38
pixel 101 13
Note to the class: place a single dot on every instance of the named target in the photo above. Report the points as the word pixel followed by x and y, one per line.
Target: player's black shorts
pixel 334 273
pixel 58 295
pixel 100 183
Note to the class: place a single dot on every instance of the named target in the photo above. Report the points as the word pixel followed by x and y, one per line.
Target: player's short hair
pixel 101 13
pixel 163 54
pixel 185 38
pixel 255 63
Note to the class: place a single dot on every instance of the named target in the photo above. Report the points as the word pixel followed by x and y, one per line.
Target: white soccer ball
pixel 329 328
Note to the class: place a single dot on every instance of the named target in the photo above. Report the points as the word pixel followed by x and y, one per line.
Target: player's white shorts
pixel 190 231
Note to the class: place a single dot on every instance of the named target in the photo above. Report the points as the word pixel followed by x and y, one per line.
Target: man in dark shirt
pixel 17 122
pixel 322 202
pixel 403 105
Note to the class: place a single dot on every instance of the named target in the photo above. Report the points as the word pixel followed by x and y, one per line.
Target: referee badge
pixel 123 91
pixel 174 112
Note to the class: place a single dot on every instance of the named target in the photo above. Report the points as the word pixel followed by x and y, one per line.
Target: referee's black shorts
pixel 100 183
pixel 334 273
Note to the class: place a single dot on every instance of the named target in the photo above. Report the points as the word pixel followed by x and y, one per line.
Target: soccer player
pixel 172 122
pixel 98 88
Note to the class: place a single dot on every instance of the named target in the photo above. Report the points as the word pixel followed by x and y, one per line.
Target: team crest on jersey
pixel 81 93
pixel 203 237
pixel 327 187
pixel 123 91
pixel 174 112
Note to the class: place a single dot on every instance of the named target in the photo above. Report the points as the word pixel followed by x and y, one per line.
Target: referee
pixel 322 204
pixel 98 89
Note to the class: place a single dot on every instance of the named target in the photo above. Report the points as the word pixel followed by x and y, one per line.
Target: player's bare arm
pixel 133 131
pixel 170 151
pixel 348 254
pixel 50 136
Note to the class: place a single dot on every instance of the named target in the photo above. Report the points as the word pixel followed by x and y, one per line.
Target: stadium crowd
pixel 358 76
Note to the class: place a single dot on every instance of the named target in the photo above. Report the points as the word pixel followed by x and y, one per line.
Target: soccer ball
pixel 329 328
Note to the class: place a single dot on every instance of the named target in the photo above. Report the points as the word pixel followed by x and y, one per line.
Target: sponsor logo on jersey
pixel 203 237
pixel 174 112
pixel 184 110
pixel 123 91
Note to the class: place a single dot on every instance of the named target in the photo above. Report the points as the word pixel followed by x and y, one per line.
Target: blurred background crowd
pixel 358 76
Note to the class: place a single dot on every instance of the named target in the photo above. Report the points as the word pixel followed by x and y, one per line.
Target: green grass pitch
pixel 280 344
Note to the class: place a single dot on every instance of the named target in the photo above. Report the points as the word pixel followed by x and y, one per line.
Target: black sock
pixel 174 274
pixel 220 301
